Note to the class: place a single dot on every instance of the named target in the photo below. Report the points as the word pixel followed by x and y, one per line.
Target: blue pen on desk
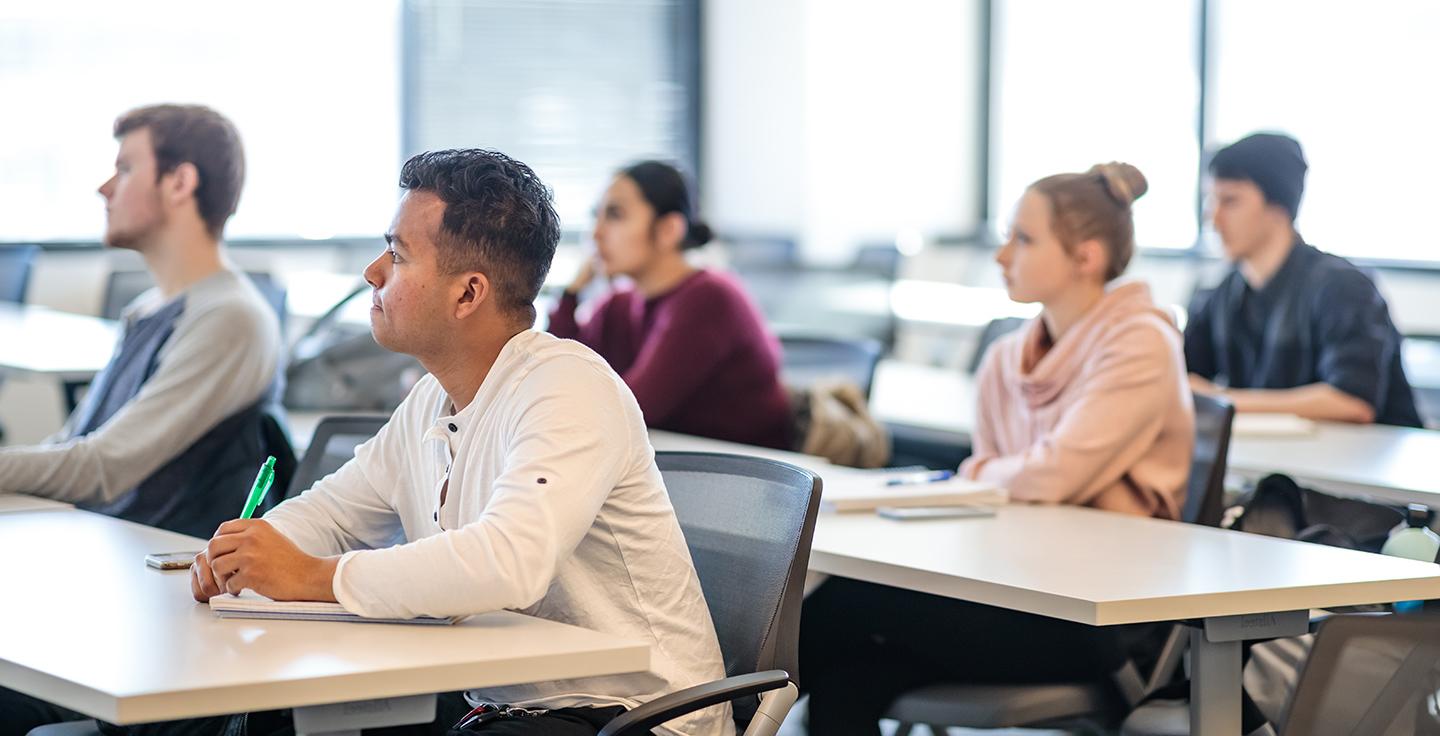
pixel 920 478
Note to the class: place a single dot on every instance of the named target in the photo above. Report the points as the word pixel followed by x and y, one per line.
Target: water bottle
pixel 1416 542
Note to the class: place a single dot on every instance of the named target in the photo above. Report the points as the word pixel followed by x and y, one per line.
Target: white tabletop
pixel 1377 461
pixel 85 624
pixel 1102 568
pixel 1089 566
pixel 10 502
pixel 924 396
pixel 1389 463
pixel 37 340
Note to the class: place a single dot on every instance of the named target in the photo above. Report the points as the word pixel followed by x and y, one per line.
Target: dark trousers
pixel 863 645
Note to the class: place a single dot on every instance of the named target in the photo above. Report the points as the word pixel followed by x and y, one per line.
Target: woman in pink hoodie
pixel 1089 404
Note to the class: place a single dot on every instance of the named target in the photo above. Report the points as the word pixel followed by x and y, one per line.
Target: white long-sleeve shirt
pixel 555 509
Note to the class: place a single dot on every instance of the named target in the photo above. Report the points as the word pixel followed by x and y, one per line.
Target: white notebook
pixel 1272 425
pixel 869 491
pixel 253 605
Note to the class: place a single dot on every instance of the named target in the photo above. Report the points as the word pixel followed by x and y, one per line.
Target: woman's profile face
pixel 1036 265
pixel 624 229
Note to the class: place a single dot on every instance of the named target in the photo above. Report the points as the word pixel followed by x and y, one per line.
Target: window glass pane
pixel 313 87
pixel 574 88
pixel 1356 86
pixel 1076 84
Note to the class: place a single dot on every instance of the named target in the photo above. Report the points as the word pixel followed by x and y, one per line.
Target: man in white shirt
pixel 517 475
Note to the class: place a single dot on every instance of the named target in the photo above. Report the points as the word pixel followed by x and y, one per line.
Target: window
pixel 574 88
pixel 317 110
pixel 1075 84
pixel 1356 87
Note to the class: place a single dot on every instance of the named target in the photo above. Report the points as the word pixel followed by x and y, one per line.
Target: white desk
pixel 39 341
pixel 1394 464
pixel 12 502
pixel 1102 569
pixel 924 396
pixel 88 626
pixel 1390 463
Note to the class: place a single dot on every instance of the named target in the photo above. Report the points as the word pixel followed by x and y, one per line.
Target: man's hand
pixel 249 553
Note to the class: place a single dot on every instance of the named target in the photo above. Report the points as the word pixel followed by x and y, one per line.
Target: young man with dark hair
pixel 517 475
pixel 169 433
pixel 1291 329
pixel 172 431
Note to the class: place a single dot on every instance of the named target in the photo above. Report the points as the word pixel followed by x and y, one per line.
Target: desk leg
pixel 1215 673
pixel 1214 686
pixel 347 719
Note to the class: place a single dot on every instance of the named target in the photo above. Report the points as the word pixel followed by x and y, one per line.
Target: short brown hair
pixel 200 136
pixel 1096 204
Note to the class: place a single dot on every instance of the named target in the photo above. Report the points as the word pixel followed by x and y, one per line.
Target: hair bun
pixel 1124 182
pixel 698 234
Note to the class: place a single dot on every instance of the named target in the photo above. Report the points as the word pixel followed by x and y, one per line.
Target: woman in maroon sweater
pixel 689 342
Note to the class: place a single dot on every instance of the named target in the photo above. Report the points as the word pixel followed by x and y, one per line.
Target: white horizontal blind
pixel 574 88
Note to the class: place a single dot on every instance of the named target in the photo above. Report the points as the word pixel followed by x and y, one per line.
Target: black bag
pixel 1278 507
pixel 338 366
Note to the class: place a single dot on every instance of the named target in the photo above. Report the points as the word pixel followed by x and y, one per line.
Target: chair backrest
pixel 878 259
pixel 16 262
pixel 809 358
pixel 122 287
pixel 333 445
pixel 748 523
pixel 1205 493
pixel 1369 676
pixel 994 330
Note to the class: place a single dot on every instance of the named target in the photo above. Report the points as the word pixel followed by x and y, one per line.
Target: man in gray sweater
pixel 173 430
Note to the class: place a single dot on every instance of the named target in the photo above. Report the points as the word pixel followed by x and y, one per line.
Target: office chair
pixel 1085 704
pixel 996 329
pixel 15 265
pixel 810 357
pixel 333 445
pixel 748 523
pixel 16 262
pixel 1369 676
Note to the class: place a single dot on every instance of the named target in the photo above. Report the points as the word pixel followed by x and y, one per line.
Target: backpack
pixel 339 366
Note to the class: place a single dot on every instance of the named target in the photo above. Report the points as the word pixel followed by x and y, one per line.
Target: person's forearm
pixel 1319 401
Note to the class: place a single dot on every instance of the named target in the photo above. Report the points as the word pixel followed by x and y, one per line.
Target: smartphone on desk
pixel 170 560
pixel 908 513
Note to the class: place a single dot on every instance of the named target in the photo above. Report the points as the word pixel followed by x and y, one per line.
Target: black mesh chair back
pixel 748 523
pixel 996 329
pixel 123 286
pixel 333 445
pixel 809 358
pixel 1370 676
pixel 16 262
pixel 1205 494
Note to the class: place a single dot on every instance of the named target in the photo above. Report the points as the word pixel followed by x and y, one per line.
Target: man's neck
pixel 179 260
pixel 1262 264
pixel 465 364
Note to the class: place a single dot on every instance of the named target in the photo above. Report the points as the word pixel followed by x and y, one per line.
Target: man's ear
pixel 181 182
pixel 475 291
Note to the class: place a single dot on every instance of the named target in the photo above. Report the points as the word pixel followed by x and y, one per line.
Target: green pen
pixel 261 487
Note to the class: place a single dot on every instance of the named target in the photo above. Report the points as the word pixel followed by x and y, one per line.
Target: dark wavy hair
pixel 499 219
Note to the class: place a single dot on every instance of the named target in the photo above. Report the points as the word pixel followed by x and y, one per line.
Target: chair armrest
pixel 676 704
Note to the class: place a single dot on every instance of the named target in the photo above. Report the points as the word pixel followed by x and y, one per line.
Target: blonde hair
pixel 1096 205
